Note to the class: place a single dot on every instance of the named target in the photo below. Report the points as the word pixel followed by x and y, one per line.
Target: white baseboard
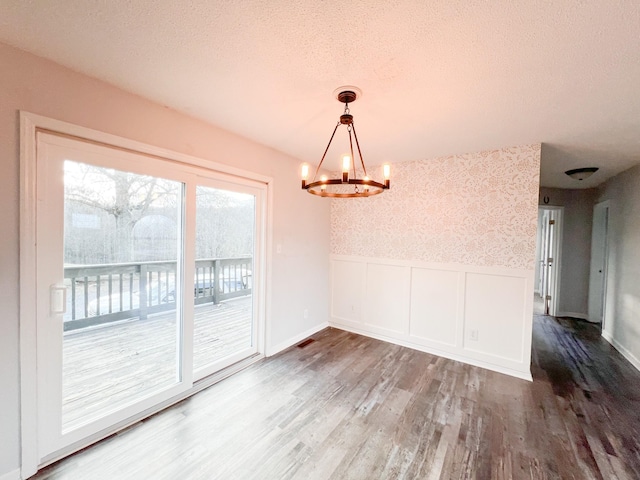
pixel 13 475
pixel 581 316
pixel 293 340
pixel 440 353
pixel 633 360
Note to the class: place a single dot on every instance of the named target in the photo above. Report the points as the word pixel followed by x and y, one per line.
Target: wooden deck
pixel 108 366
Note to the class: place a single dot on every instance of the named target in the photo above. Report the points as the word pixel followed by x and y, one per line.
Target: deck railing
pixel 105 293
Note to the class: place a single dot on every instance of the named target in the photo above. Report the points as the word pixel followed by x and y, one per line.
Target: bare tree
pixel 123 195
pixel 114 217
pixel 224 223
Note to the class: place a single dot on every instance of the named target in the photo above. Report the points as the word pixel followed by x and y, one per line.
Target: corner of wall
pixel 12 475
pixel 273 350
pixel 633 360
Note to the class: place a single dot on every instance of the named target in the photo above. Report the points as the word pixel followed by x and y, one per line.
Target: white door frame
pixel 593 315
pixel 537 287
pixel 30 124
pixel 556 248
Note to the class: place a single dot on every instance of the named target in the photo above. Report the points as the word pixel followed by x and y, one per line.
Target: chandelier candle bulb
pixel 346 163
pixel 366 186
pixel 304 174
pixel 323 179
pixel 386 172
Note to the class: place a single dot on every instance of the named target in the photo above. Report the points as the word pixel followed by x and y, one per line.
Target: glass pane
pixel 122 240
pixel 223 279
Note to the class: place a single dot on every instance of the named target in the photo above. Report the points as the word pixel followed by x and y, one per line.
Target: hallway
pixel 596 389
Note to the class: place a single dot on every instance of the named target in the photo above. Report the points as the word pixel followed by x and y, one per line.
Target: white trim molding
pixel 581 316
pixel 441 353
pixel 482 316
pixel 633 360
pixel 28 365
pixel 271 351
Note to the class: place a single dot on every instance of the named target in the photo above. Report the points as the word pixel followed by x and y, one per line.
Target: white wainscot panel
pixel 347 286
pixel 494 323
pixel 435 304
pixel 387 298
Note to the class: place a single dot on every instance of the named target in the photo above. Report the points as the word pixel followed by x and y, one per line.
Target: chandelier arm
pixel 355 135
pixel 326 150
pixel 353 160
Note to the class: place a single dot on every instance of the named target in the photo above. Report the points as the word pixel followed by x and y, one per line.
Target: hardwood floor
pixel 350 407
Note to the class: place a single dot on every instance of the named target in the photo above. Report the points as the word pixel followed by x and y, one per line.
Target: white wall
pixel 622 305
pixel 573 297
pixel 444 261
pixel 299 223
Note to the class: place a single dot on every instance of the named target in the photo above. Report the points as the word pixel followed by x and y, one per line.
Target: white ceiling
pixel 438 77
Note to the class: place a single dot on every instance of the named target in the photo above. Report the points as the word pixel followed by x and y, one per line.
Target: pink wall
pixel 299 274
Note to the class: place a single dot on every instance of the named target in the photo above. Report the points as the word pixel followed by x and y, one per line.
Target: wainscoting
pixel 477 315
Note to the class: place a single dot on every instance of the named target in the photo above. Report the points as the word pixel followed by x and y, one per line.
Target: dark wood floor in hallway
pixel 350 407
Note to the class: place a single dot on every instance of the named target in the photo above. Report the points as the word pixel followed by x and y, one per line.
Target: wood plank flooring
pixel 351 407
pixel 106 366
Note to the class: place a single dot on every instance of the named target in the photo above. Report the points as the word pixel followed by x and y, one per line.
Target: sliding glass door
pixel 147 273
pixel 225 252
pixel 122 257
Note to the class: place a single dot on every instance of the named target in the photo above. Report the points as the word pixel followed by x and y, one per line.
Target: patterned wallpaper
pixel 473 209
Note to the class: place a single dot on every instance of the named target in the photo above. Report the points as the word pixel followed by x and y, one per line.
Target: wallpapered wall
pixel 471 209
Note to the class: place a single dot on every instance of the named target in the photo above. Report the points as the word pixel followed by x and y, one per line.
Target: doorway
pixel 148 280
pixel 598 266
pixel 548 253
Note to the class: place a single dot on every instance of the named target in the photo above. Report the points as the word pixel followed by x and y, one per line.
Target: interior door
pixel 549 257
pixel 544 253
pixel 549 261
pixel 598 268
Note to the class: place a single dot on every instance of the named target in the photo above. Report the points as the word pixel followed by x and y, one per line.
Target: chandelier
pixel 349 185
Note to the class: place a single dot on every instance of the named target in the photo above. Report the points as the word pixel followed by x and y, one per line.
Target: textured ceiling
pixel 438 77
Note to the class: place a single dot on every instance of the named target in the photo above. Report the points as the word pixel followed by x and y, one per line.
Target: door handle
pixel 58 299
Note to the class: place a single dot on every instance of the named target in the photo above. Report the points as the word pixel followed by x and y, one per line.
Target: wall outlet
pixel 306 313
pixel 474 335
